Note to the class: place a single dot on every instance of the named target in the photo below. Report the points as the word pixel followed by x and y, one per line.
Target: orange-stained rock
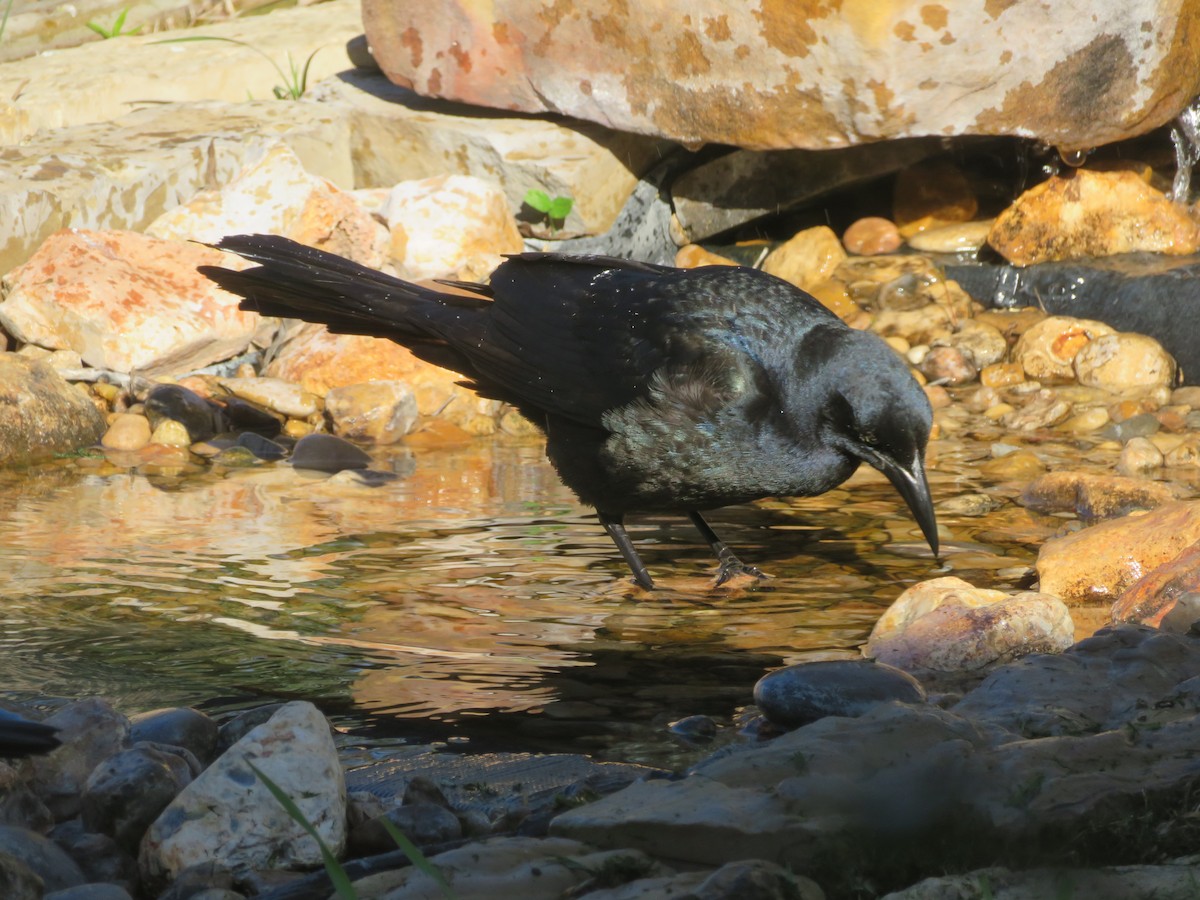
pixel 1100 562
pixel 816 75
pixel 932 194
pixel 126 302
pixel 1153 595
pixel 692 256
pixel 872 236
pixel 1046 350
pixel 1095 496
pixel 1089 213
pixel 320 361
pixel 807 258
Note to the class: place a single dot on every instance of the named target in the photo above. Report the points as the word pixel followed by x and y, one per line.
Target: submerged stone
pixel 803 693
pixel 327 453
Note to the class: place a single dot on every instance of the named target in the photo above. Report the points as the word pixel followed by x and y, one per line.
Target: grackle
pixel 658 389
pixel 20 737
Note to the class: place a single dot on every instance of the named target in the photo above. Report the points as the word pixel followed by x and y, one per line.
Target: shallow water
pixel 468 600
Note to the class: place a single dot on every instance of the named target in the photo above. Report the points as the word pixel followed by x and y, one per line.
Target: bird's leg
pixel 730 564
pixel 615 526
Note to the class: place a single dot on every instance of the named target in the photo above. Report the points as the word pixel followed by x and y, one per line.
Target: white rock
pixel 227 816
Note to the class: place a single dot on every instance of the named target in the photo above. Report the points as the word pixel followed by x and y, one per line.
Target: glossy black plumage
pixel 20 737
pixel 659 389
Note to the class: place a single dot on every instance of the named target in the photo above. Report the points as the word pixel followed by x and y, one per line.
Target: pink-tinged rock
pixel 1090 213
pixel 1149 599
pixel 1098 563
pixel 126 302
pixel 449 226
pixel 772 75
pixel 321 361
pixel 276 195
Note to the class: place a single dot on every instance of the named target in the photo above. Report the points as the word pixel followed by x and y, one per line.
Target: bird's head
pixel 877 413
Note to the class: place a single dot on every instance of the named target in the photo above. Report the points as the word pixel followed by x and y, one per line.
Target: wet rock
pixel 126 431
pixel 960 237
pixel 425 824
pixel 284 397
pixel 42 856
pixel 236 457
pixel 1047 349
pixel 698 729
pixel 1093 496
pixel 932 193
pixel 1086 422
pixel 449 226
pixel 195 881
pixel 177 403
pixel 320 361
pixel 94 892
pixel 1050 695
pixel 949 365
pixel 797 695
pixel 91 731
pixel 40 414
pixel 969 505
pixel 179 727
pixel 872 236
pixel 1092 213
pixel 753 879
pixel 1002 374
pixel 530 868
pixel 245 416
pixel 1149 599
pixel 327 453
pixel 378 412
pixel 808 258
pixel 1023 465
pixel 1098 563
pixel 97 855
pixel 1170 880
pixel 1043 410
pixel 1139 426
pixel 1184 453
pixel 947 624
pixel 129 790
pixel 981 343
pixel 1138 457
pixel 125 301
pixel 169 433
pixel 261 447
pixel 276 195
pixel 226 815
pixel 574 66
pixel 1122 362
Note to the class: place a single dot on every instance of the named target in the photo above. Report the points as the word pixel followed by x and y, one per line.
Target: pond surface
pixel 470 599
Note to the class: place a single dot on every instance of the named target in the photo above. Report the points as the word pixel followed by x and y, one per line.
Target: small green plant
pixel 342 885
pixel 118 27
pixel 337 875
pixel 554 210
pixel 295 79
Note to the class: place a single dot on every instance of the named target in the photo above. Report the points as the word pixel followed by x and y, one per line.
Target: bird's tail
pixel 295 281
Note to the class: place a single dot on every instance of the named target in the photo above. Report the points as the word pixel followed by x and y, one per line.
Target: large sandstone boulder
pixel 770 75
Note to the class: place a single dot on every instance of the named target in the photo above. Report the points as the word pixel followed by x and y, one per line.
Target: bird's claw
pixel 731 568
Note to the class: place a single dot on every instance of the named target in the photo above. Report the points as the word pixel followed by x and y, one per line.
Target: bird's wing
pixel 579 336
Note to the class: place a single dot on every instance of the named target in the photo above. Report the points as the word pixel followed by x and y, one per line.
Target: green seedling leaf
pixel 538 200
pixel 337 875
pixel 559 208
pixel 419 860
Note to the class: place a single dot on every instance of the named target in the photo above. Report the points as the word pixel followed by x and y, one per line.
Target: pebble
pixel 930 194
pixel 170 433
pixel 872 236
pixel 173 402
pixel 692 256
pixel 1087 421
pixel 1141 425
pixel 126 431
pixel 1047 349
pixel 808 258
pixel 378 412
pixel 261 447
pixel 948 365
pixel 1186 453
pixel 1023 465
pixel 1121 362
pixel 962 237
pixel 235 458
pixel 1044 410
pixel 1001 374
pixel 803 693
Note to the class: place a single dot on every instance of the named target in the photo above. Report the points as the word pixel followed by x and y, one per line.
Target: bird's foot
pixel 732 567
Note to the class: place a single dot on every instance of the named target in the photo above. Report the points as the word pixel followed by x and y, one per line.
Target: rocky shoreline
pixel 1033 748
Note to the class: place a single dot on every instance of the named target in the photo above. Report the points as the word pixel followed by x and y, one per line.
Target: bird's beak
pixel 914 488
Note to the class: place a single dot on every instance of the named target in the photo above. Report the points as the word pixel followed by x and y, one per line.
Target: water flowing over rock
pixel 786 76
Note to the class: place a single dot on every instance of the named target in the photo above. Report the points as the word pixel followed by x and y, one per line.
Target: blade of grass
pixel 228 40
pixel 418 859
pixel 337 875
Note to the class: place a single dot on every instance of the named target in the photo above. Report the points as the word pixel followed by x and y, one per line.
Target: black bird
pixel 21 737
pixel 658 389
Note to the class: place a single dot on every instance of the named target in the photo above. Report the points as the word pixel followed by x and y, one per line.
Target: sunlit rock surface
pixel 779 75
